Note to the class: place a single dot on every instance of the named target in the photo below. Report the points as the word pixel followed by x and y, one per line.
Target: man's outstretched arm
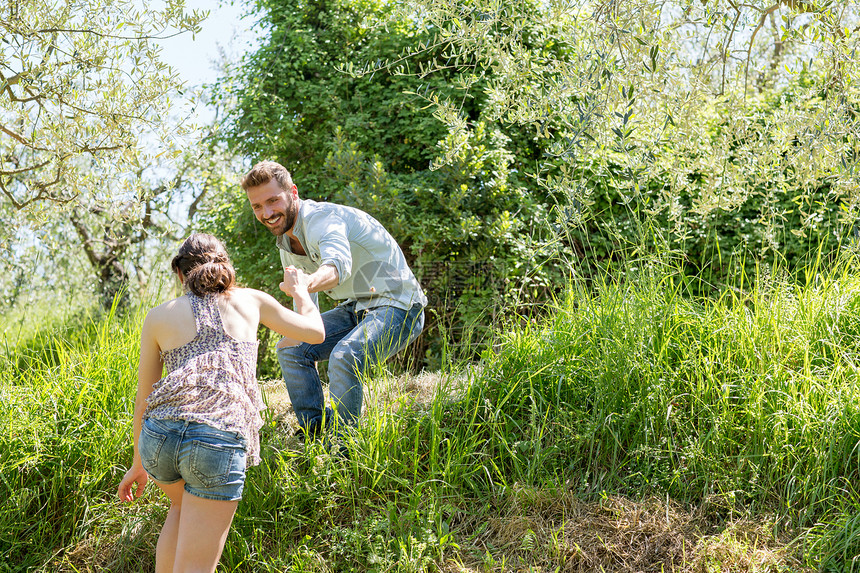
pixel 324 278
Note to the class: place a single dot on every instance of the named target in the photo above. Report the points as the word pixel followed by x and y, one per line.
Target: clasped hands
pixel 295 280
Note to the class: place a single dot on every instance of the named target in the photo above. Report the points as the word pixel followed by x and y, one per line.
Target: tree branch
pixel 192 209
pixel 9 25
pixel 43 194
pixel 18 206
pixel 726 48
pixel 86 240
pixel 24 169
pixel 761 22
pixel 20 139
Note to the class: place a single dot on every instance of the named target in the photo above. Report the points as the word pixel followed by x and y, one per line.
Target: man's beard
pixel 289 221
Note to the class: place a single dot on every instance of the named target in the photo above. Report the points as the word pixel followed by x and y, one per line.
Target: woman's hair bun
pixel 204 263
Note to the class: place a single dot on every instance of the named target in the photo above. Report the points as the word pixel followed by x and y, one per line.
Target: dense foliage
pixel 760 215
pixel 507 149
pixel 461 208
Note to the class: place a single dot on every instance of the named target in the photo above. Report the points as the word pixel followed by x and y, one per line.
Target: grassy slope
pixel 635 429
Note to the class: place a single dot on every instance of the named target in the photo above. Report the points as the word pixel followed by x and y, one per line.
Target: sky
pixel 224 30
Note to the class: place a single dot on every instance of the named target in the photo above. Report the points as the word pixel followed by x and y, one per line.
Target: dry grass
pixel 386 394
pixel 552 531
pixel 129 548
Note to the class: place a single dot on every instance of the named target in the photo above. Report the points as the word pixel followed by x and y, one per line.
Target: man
pixel 351 257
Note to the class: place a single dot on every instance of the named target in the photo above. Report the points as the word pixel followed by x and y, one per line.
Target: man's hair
pixel 265 171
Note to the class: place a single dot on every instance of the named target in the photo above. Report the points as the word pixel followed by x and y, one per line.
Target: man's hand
pixel 294 281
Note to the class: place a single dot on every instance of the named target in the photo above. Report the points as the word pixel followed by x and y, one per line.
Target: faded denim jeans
pixel 354 341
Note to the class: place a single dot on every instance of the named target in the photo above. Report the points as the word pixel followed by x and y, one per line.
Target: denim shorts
pixel 211 461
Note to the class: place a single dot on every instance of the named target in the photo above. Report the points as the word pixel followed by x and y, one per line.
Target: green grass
pixel 751 398
pixel 66 401
pixel 744 407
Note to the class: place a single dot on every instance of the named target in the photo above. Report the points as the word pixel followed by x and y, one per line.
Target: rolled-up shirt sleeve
pixel 331 234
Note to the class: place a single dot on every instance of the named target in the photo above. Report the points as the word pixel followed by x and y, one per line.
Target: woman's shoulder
pixel 244 295
pixel 245 301
pixel 169 308
pixel 241 294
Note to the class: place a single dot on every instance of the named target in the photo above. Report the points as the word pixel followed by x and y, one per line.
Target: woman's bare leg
pixel 203 528
pixel 165 549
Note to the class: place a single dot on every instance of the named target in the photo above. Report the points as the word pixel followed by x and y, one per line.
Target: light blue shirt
pixel 371 268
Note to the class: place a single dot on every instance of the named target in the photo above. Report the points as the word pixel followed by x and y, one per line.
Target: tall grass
pixel 66 398
pixel 750 397
pixel 744 404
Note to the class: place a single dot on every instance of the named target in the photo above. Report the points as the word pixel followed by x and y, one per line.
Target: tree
pixel 112 256
pixel 80 82
pixel 458 206
pixel 118 250
pixel 689 108
pixel 85 144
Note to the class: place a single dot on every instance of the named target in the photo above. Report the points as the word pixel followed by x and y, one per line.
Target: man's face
pixel 273 206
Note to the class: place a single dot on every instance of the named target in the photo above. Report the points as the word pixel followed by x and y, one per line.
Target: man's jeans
pixel 354 341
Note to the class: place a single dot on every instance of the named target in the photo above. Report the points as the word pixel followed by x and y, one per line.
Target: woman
pixel 196 428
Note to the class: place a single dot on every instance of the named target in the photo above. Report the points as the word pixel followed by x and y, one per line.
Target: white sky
pixel 223 31
pixel 225 28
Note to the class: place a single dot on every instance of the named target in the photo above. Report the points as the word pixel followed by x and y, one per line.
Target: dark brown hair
pixel 205 265
pixel 265 171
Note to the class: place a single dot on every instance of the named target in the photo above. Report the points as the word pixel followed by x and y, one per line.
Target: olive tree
pixel 81 83
pixel 85 128
pixel 698 110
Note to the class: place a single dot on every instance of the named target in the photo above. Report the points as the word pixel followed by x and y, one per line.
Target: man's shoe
pixel 314 431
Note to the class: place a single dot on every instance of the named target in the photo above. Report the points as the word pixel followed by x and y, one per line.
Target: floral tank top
pixel 211 380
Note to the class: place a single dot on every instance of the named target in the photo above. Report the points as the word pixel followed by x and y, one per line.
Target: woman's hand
pixel 135 475
pixel 295 281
